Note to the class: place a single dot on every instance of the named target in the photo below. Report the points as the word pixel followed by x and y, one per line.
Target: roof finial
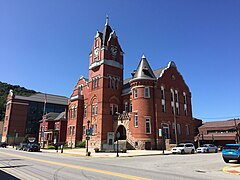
pixel 107 18
pixel 143 57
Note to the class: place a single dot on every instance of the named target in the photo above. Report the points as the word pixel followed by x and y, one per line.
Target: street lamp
pixel 87 138
pixel 118 136
pixel 14 137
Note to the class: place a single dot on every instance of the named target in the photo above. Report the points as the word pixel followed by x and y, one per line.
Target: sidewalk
pixel 129 153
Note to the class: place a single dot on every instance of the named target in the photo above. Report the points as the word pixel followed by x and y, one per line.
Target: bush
pixel 124 150
pixel 81 144
pixel 96 150
pixel 51 147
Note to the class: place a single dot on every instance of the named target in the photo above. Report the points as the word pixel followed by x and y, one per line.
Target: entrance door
pixel 122 130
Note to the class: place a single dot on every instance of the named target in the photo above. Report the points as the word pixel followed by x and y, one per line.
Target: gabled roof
pixel 144 71
pixel 221 124
pixel 40 97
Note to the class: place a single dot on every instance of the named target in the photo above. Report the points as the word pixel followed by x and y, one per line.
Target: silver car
pixel 183 148
pixel 206 148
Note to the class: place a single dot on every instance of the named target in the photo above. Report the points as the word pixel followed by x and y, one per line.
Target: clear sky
pixel 45 45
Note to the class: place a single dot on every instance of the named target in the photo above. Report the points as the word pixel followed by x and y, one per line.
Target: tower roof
pixel 106 32
pixel 143 71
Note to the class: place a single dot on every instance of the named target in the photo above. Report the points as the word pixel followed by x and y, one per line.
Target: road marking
pixel 126 176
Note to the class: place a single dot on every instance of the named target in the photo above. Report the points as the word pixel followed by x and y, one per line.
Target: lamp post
pixel 118 136
pixel 14 138
pixel 87 138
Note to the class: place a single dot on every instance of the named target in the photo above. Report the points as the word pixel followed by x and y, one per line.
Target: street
pixel 42 165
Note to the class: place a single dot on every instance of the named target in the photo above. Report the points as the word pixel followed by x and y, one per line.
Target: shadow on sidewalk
pixel 6 176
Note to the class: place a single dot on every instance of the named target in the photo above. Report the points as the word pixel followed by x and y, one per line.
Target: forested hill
pixel 4 90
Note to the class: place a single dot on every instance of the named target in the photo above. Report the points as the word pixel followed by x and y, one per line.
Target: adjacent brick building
pixel 52 130
pixel 23 114
pixel 137 107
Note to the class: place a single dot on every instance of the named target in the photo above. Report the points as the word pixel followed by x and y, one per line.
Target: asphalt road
pixel 39 165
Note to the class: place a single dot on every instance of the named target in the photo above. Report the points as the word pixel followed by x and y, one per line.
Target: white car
pixel 206 148
pixel 183 148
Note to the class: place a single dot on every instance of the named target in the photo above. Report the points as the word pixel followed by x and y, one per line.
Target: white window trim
pixel 150 129
pixel 148 92
pixel 135 119
pixel 135 93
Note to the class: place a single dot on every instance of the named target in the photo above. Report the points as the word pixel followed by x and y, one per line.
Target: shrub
pixel 51 147
pixel 81 144
pixel 96 150
pixel 124 150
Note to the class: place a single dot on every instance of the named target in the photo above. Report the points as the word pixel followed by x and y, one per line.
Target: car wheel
pixel 216 151
pixel 182 151
pixel 207 150
pixel 192 152
pixel 226 160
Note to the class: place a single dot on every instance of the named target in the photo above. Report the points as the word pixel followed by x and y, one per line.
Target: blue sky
pixel 45 45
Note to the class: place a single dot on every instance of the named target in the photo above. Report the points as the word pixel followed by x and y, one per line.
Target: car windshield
pixel 204 145
pixel 231 147
pixel 180 145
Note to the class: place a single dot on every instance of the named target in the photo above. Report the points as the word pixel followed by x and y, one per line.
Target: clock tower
pixel 105 84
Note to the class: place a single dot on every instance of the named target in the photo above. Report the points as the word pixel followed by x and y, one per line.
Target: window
pixel 172 95
pixel 148 126
pixel 163 107
pixel 94 129
pixel 113 109
pixel 130 108
pixel 135 93
pixel 136 119
pixel 187 130
pixel 84 128
pixel 177 109
pixel 176 95
pixel 126 106
pixel 179 128
pixel 93 110
pixel 173 128
pixel 117 81
pixel 109 81
pixel 80 88
pixel 146 92
pixel 162 92
pixel 184 98
pixel 96 109
pixel 185 110
pixel 172 109
pixel 74 112
pixel 71 132
pixel 113 83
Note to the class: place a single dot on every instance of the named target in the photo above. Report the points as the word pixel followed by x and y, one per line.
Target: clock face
pixel 114 51
pixel 96 52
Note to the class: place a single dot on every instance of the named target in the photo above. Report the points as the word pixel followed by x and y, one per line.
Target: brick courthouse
pixel 136 107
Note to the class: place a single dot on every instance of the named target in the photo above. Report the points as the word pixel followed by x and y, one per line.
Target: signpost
pixel 87 138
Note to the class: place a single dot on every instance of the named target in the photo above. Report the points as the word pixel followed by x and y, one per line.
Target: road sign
pixel 88 132
pixel 87 138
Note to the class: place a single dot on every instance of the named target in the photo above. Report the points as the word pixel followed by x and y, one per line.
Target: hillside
pixel 4 90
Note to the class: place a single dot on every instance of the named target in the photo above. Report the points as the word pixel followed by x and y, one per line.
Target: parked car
pixel 21 146
pixel 231 152
pixel 206 148
pixel 32 147
pixel 3 144
pixel 183 148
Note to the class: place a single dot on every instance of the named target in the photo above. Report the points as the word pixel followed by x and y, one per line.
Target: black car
pixel 3 144
pixel 32 147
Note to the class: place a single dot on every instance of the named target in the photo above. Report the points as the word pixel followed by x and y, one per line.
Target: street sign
pixel 88 132
pixel 87 138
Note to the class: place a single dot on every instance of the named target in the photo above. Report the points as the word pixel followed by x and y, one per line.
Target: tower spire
pixel 107 18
